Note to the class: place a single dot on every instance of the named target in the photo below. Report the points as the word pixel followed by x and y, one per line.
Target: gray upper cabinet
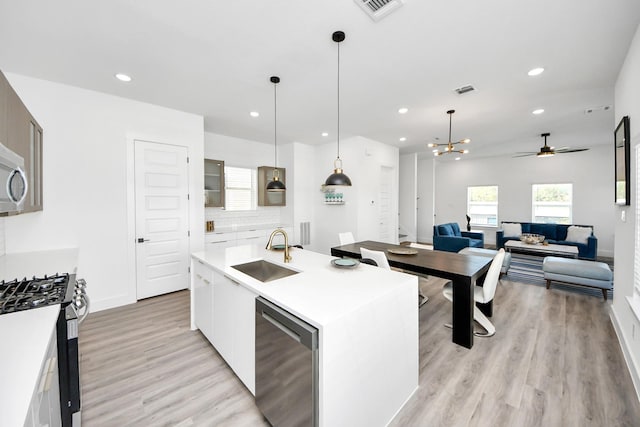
pixel 21 133
pixel 266 198
pixel 213 183
pixel 4 87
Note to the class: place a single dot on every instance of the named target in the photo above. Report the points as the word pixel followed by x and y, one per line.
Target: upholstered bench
pixel 578 272
pixel 489 253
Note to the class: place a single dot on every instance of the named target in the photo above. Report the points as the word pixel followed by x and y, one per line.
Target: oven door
pixel 69 366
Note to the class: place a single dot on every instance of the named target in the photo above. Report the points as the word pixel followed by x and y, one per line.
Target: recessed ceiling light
pixel 457 158
pixel 254 114
pixel 403 139
pixel 123 77
pixel 538 111
pixel 325 134
pixel 403 110
pixel 536 71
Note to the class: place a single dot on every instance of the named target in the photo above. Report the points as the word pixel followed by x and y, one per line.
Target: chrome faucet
pixel 287 258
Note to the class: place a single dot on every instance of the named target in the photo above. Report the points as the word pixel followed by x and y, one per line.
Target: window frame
pixel 535 204
pixel 496 204
pixel 251 189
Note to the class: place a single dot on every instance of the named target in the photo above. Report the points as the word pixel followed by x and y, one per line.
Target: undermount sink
pixel 264 271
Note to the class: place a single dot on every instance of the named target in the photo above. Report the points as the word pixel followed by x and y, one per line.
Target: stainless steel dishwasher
pixel 286 367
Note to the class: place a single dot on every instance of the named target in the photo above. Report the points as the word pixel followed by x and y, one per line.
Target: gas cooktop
pixel 25 294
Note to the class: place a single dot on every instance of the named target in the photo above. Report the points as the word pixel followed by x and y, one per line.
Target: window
pixel 240 184
pixel 551 203
pixel 635 301
pixel 482 205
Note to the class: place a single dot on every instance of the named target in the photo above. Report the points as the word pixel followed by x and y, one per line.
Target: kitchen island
pixel 367 321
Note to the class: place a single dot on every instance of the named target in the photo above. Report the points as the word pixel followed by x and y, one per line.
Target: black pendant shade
pixel 338 177
pixel 275 185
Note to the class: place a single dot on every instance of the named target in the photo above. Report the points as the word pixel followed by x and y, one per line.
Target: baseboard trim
pixel 628 358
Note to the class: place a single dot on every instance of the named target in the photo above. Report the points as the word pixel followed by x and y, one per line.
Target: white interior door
pixel 385 206
pixel 162 218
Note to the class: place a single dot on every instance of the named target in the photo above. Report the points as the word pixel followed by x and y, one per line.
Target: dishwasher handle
pixel 297 329
pixel 280 326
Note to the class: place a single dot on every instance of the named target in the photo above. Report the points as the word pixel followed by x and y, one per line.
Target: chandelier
pixel 449 147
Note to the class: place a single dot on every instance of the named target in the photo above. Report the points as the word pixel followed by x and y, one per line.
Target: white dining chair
pixel 346 238
pixel 378 256
pixel 381 260
pixel 482 294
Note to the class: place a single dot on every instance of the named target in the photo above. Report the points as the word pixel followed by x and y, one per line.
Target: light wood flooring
pixel 554 361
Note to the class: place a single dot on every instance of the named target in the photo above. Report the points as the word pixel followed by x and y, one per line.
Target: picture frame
pixel 622 155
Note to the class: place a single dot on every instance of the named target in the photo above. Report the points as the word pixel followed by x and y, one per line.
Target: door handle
pixel 142 240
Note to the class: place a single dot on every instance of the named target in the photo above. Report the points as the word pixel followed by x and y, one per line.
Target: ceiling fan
pixel 546 151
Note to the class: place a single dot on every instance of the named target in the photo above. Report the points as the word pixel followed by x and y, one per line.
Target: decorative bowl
pixel 532 239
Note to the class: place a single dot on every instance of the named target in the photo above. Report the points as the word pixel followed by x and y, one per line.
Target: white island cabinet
pixel 367 321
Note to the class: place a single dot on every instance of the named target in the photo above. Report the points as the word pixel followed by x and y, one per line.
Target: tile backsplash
pixel 260 216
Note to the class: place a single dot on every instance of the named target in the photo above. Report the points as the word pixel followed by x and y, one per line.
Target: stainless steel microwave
pixel 13 181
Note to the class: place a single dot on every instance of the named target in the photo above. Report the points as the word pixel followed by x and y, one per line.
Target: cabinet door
pixel 213 183
pixel 223 316
pixel 24 137
pixel 251 237
pixel 268 198
pixel 244 345
pixel 203 298
pixel 4 84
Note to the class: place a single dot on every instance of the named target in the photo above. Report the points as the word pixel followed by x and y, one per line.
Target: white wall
pixel 246 153
pixel 590 172
pixel 627 103
pixel 362 159
pixel 2 246
pixel 408 197
pixel 426 183
pixel 305 190
pixel 87 143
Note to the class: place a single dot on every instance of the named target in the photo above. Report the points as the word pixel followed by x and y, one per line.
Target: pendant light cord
pixel 275 125
pixel 338 132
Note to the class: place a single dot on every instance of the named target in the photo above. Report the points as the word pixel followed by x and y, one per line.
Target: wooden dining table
pixel 462 270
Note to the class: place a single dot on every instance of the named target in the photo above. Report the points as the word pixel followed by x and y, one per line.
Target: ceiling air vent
pixel 597 109
pixel 378 9
pixel 464 89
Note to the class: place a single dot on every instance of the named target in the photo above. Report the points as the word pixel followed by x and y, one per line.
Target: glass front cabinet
pixel 213 183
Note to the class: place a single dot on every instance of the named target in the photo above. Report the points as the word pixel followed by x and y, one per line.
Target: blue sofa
pixel 553 233
pixel 448 237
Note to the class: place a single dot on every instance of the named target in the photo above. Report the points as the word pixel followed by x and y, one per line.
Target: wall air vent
pixel 378 9
pixel 464 89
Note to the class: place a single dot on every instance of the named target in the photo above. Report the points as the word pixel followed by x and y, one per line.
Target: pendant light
pixel 338 177
pixel 449 146
pixel 275 185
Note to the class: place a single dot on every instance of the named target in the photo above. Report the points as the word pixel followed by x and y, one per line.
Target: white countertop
pixel 39 263
pixel 321 293
pixel 24 336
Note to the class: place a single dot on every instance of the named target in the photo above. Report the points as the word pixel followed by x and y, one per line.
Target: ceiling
pixel 215 58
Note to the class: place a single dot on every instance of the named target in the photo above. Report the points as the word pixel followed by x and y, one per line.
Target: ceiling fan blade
pixel 570 150
pixel 525 154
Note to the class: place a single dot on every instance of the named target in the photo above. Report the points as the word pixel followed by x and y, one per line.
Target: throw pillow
pixel 445 230
pixel 578 234
pixel 511 229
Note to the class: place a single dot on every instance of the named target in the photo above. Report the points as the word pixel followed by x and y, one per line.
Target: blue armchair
pixel 448 237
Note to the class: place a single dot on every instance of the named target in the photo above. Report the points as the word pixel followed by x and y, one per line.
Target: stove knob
pixel 78 301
